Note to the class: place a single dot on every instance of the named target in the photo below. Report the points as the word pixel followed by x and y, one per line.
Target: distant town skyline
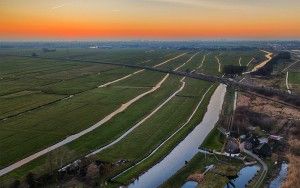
pixel 149 19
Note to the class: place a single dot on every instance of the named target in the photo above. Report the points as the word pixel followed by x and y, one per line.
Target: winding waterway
pixel 187 148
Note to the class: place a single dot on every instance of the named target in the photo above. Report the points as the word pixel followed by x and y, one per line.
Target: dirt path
pixel 250 61
pixel 120 79
pixel 235 101
pixel 218 61
pixel 287 83
pixel 186 61
pixel 129 75
pixel 160 64
pixel 262 64
pixel 203 60
pixel 240 60
pixel 290 65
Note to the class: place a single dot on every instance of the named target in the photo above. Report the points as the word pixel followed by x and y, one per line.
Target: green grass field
pixel 294 81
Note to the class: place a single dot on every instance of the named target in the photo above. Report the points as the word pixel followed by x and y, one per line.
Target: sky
pixel 149 19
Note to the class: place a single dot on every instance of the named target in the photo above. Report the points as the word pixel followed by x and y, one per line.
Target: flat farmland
pixel 30 127
pixel 294 81
pixel 46 101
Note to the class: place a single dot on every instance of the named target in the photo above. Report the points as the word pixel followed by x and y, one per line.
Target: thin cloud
pixel 214 4
pixel 57 7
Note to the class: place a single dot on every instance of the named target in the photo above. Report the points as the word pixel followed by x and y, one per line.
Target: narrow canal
pixel 187 148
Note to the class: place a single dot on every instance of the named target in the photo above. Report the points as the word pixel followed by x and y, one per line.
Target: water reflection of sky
pixel 276 183
pixel 244 176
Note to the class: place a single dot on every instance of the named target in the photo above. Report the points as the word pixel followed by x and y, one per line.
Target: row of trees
pixel 234 69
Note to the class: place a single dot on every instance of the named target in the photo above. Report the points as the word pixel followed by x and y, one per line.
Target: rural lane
pixel 264 165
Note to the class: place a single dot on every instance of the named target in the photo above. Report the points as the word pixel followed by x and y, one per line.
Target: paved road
pixel 264 165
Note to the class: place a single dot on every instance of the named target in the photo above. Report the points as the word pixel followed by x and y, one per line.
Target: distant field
pixel 294 81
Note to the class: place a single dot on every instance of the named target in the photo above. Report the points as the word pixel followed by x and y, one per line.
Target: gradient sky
pixel 149 19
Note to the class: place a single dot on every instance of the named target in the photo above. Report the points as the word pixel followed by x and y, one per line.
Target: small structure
pixel 275 137
pixel 251 142
pixel 232 147
pixel 263 140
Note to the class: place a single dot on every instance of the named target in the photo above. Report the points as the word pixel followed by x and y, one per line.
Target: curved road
pixel 264 165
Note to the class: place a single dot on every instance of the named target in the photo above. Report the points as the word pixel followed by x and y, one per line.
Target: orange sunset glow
pixel 138 19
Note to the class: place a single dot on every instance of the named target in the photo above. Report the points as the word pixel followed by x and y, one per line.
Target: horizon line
pixel 154 40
